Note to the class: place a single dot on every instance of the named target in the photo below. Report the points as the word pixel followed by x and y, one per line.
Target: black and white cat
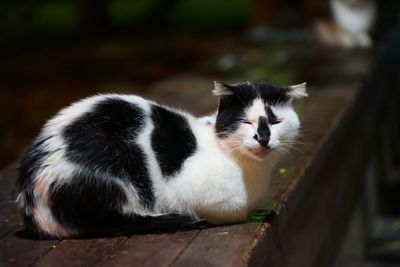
pixel 108 161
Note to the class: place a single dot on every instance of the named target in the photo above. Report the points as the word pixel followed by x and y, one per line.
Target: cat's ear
pixel 298 90
pixel 221 89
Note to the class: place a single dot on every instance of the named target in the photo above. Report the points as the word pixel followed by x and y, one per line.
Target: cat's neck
pixel 258 168
pixel 257 177
pixel 247 163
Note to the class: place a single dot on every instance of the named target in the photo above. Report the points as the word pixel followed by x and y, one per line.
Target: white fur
pixel 222 181
pixel 287 129
pixel 255 110
pixel 210 184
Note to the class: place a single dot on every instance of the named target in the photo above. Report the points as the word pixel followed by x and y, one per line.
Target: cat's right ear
pixel 298 90
pixel 221 89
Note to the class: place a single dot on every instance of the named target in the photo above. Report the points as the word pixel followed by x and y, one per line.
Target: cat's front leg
pixel 225 206
pixel 222 214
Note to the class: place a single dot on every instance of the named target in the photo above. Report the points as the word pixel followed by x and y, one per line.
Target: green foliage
pixel 259 216
pixel 127 11
pixel 209 14
pixel 25 18
pixel 276 72
pixel 56 16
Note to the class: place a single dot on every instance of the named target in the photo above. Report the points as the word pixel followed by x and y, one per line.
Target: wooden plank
pixel 8 178
pixel 151 250
pixel 317 227
pixel 81 252
pixel 220 246
pixel 10 217
pixel 19 251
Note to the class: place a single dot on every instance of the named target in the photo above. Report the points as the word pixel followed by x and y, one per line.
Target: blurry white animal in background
pixel 352 22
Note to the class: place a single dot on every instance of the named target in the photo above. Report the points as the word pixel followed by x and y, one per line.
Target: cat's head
pixel 255 117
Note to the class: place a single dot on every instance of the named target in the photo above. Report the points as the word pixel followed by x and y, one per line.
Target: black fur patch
pixel 87 202
pixel 268 92
pixel 231 107
pixel 230 115
pixel 172 139
pixel 103 140
pixel 272 119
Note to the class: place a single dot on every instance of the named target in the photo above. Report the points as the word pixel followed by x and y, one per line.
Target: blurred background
pixel 55 52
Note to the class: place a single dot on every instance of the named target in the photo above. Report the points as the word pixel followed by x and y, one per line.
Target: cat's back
pixel 121 135
pixel 104 114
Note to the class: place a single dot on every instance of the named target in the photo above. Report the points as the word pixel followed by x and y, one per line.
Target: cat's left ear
pixel 222 89
pixel 298 90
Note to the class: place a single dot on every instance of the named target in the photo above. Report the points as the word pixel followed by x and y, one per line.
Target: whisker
pixel 295 143
pixel 293 147
pixel 282 150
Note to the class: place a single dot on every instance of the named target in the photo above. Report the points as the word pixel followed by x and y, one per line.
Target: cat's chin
pixel 258 154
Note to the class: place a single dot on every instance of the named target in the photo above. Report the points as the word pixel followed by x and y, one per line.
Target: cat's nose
pixel 262 141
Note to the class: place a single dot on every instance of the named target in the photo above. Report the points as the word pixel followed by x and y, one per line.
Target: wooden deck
pixel 314 192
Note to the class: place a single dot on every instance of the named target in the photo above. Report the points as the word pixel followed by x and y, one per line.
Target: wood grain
pixel 151 250
pixel 8 178
pixel 219 246
pixel 81 252
pixel 10 217
pixel 17 251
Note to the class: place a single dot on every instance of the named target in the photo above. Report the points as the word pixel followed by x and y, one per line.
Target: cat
pixel 111 162
pixel 351 24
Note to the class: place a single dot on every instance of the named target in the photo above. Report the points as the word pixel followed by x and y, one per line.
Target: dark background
pixel 55 52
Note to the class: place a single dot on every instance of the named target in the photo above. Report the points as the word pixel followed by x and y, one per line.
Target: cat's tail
pixel 148 225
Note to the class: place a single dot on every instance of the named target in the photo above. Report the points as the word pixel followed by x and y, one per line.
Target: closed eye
pixel 272 119
pixel 247 122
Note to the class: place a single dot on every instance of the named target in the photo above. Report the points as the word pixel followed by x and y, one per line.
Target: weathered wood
pixel 10 217
pixel 8 178
pixel 17 251
pixel 151 250
pixel 81 252
pixel 220 246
